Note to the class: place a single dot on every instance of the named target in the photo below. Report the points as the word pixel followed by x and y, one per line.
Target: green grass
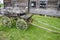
pixel 33 32
pixel 1 5
pixel 47 22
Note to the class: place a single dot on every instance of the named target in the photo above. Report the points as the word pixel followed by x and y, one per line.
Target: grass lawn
pixel 47 22
pixel 33 32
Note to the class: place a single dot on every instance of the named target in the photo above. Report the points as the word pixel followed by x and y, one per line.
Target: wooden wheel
pixel 21 24
pixel 6 22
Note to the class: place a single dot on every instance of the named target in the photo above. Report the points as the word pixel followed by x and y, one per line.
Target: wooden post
pixel 28 6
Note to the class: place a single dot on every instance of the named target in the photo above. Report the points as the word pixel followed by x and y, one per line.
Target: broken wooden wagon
pixel 21 17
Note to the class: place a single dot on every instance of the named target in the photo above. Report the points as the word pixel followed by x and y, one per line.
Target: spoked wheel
pixel 21 24
pixel 6 22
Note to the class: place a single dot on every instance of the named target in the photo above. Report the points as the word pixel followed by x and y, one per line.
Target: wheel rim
pixel 21 24
pixel 6 22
